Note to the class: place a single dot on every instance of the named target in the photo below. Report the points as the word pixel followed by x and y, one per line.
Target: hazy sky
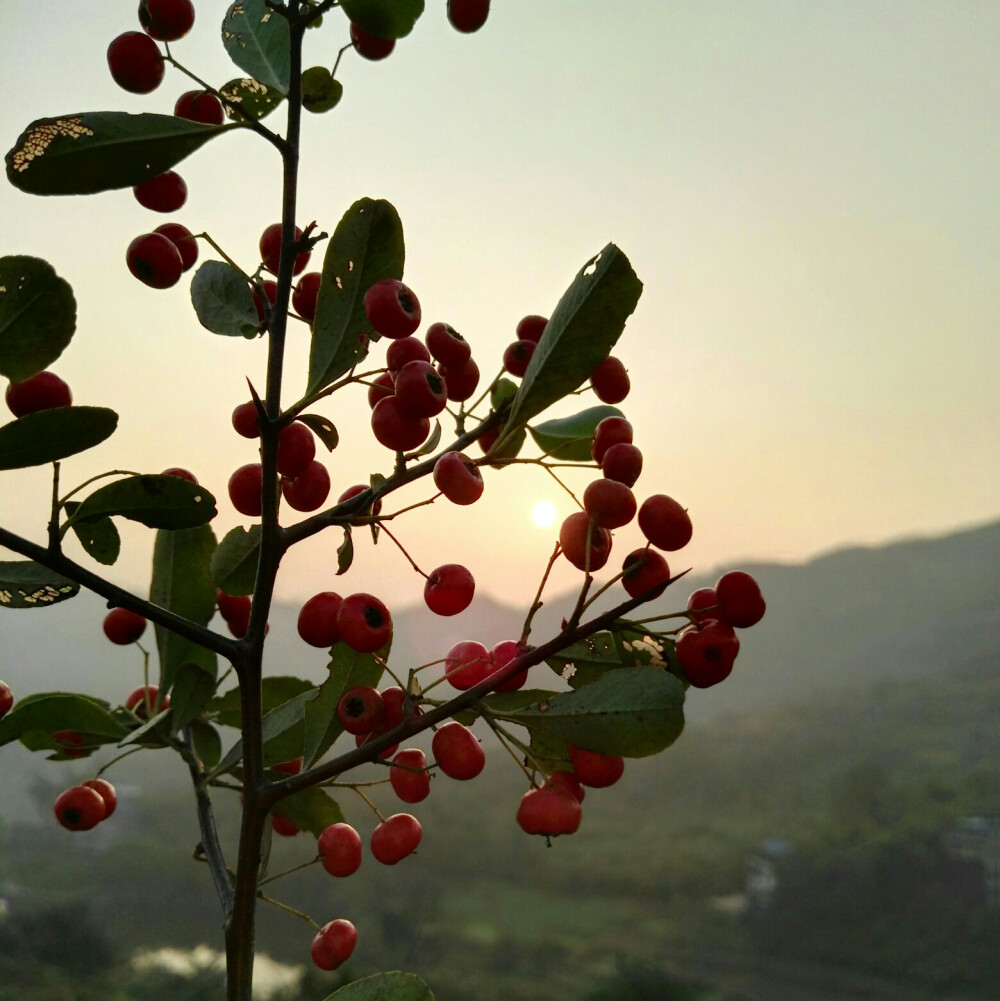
pixel 808 191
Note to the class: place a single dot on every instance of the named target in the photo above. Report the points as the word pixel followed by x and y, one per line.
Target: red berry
pixel 6 698
pixel 707 652
pixel 467 663
pixel 404 350
pixel 340 846
pixel 394 699
pixel 549 811
pixel 501 655
pixel 166 20
pixel 283 826
pixel 306 294
pixel 135 62
pixel 41 392
pixel 183 239
pixel 409 785
pixel 317 622
pixel 458 478
pixel 517 356
pixel 420 390
pixel 461 381
pixel 361 710
pixel 611 431
pixel 468 15
pixel 364 623
pixel 370 46
pixel 146 702
pixel 395 838
pixel 665 523
pixel 392 309
pixel 573 539
pixel 200 106
pixel 245 420
pixel 372 510
pixel 531 328
pixel 610 381
pixel 270 291
pixel 382 387
pixel 107 792
pixel 643 570
pixel 79 808
pixel 333 944
pixel 155 260
pixel 447 345
pixel 596 770
pixel 233 607
pixel 396 429
pixel 123 627
pixel 270 249
pixel 609 503
pixel 245 489
pixel 704 598
pixel 296 449
pixel 181 474
pixel 165 192
pixel 308 490
pixel 622 462
pixel 292 767
pixel 567 782
pixel 740 601
pixel 449 589
pixel 70 743
pixel 457 752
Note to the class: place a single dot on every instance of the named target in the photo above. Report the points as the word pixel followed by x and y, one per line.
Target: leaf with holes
pixel 26 584
pixel 585 661
pixel 101 150
pixel 223 301
pixel 251 97
pixel 384 18
pixel 633 712
pixel 582 330
pixel 394 986
pixel 570 438
pixel 51 435
pixel 311 810
pixel 99 537
pixel 234 563
pixel 182 583
pixel 258 41
pixel 322 427
pixel 35 718
pixel 37 316
pixel 156 501
pixel 366 247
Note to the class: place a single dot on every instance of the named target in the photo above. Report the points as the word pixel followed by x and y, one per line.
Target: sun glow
pixel 543 514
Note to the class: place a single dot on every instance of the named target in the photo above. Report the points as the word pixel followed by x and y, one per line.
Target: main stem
pixel 240 930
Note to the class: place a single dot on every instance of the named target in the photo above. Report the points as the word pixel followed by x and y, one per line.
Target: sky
pixel 807 191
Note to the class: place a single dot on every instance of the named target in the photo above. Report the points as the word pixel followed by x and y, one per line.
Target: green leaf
pixel 384 18
pixel 320 92
pixel 640 647
pixel 258 41
pixel 507 446
pixel 207 743
pixel 550 752
pixel 393 986
pixel 99 538
pixel 255 99
pixel 502 394
pixel 26 584
pixel 348 668
pixel 37 316
pixel 156 501
pixel 275 691
pixel 508 702
pixel 223 300
pixel 152 733
pixel 234 562
pixel 50 435
pixel 366 247
pixel 182 583
pixel 634 712
pixel 585 661
pixel 191 691
pixel 345 553
pixel 582 330
pixel 433 440
pixel 50 712
pixel 311 810
pixel 101 150
pixel 322 427
pixel 570 438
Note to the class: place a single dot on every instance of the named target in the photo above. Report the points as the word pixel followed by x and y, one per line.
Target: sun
pixel 543 514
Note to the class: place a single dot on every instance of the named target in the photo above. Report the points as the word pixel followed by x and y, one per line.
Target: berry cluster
pixel 84 806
